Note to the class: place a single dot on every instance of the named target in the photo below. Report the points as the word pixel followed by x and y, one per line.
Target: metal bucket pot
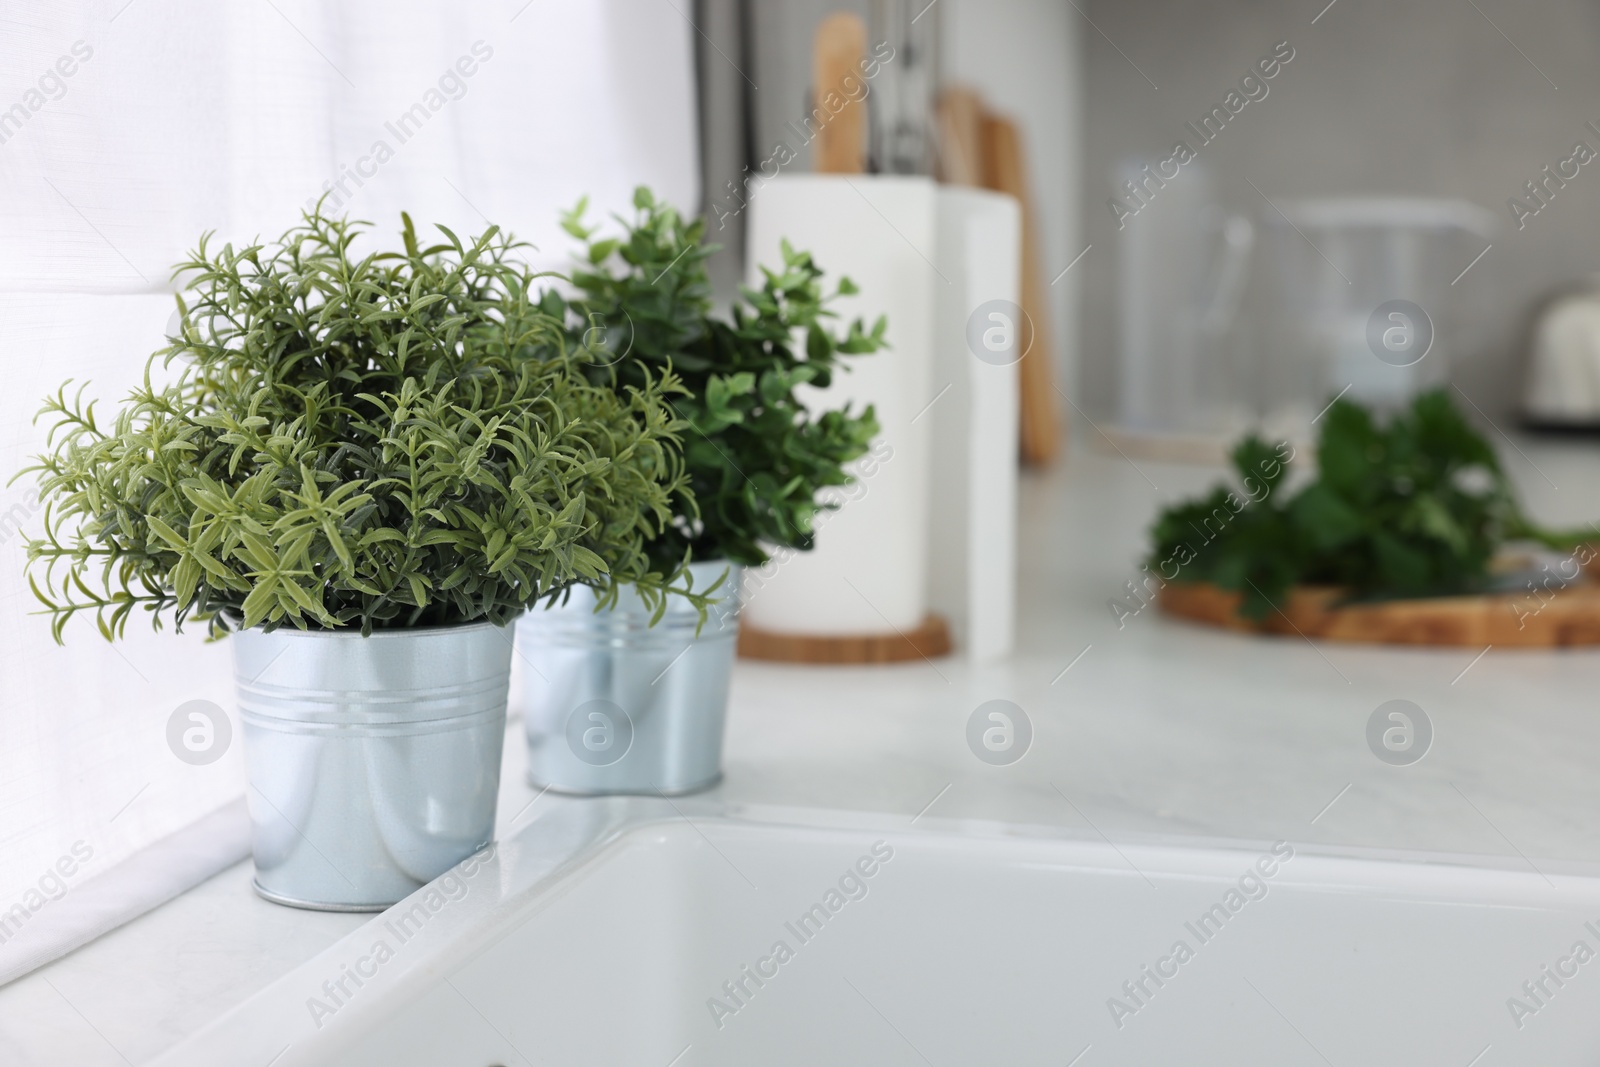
pixel 614 705
pixel 374 762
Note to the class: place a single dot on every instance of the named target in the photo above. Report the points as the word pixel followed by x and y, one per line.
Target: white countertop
pixel 1160 727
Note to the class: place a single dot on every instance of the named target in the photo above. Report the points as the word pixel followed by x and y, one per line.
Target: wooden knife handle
pixel 838 95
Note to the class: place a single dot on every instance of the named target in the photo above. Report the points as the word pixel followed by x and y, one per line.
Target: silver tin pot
pixel 374 762
pixel 615 705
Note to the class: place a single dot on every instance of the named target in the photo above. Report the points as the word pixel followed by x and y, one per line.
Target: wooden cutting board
pixel 1559 618
pixel 928 641
pixel 1005 170
pixel 980 148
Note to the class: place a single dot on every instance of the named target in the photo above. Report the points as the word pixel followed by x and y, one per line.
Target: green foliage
pixel 755 457
pixel 403 440
pixel 1417 507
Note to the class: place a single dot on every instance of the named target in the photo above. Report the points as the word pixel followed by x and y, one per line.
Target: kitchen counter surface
pixel 1141 725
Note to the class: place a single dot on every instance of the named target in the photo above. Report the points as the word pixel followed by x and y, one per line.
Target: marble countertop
pixel 1140 725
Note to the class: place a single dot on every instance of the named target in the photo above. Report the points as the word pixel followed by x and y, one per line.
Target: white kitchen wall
pixel 1424 98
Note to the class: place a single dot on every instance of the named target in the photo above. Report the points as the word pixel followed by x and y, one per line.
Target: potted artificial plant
pixel 630 696
pixel 362 470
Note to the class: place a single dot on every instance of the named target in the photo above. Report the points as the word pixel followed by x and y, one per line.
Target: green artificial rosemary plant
pixel 1415 507
pixel 404 439
pixel 754 454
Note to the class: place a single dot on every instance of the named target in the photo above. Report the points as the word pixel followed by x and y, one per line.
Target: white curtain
pixel 129 128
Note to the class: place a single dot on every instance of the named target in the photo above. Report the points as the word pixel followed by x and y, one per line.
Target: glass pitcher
pixel 1183 367
pixel 1364 298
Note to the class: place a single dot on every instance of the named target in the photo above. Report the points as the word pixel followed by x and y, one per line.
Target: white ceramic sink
pixel 621 932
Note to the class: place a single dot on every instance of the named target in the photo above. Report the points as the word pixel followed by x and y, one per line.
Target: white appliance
pixel 1563 387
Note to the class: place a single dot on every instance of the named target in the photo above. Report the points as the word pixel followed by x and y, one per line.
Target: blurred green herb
pixel 403 440
pixel 755 455
pixel 1416 507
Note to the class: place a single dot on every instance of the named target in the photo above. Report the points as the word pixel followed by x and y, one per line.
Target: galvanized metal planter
pixel 614 705
pixel 374 762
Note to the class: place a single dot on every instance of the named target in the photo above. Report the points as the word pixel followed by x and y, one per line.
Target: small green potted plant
pixel 630 697
pixel 362 469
